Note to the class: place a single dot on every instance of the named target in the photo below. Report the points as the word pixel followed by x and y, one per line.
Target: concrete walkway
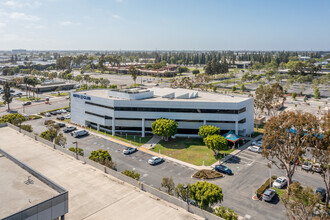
pixel 152 142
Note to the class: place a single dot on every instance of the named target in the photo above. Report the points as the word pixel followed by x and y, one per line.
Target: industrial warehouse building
pixel 135 109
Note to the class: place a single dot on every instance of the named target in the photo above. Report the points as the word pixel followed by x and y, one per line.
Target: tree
pixel 225 213
pixel 181 191
pixel 321 152
pixel 301 202
pixel 317 93
pixel 243 88
pixel 196 71
pixel 60 139
pixel 269 97
pixel 168 184
pixel 164 127
pixel 51 133
pixel 134 72
pixel 288 136
pixel 206 194
pixel 7 98
pixel 294 95
pixel 207 130
pixel 216 143
pixel 233 89
pixel 14 118
pixel 100 156
pixel 80 150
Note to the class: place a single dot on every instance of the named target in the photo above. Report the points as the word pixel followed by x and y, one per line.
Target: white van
pixel 79 133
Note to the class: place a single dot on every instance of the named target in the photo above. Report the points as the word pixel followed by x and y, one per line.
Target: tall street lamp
pixel 75 142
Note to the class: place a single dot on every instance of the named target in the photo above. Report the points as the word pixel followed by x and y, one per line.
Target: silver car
pixel 268 195
pixel 280 182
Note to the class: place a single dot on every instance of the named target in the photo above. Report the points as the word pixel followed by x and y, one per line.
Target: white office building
pixel 134 110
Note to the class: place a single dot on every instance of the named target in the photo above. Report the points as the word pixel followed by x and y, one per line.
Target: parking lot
pixel 250 172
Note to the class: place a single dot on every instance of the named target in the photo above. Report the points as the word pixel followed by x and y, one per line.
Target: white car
pixel 63 111
pixel 307 166
pixel 129 150
pixel 155 160
pixel 255 149
pixel 257 143
pixel 67 116
pixel 47 114
pixel 280 182
pixel 317 168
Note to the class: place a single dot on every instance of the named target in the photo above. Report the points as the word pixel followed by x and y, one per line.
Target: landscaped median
pixel 190 150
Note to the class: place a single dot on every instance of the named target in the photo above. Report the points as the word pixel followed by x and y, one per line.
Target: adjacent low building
pixel 134 110
pixel 26 194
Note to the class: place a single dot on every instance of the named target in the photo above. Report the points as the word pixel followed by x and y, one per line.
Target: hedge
pixel 27 128
pixel 265 186
pixel 207 174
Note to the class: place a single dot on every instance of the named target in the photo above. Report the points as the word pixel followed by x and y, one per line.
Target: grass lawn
pixel 129 139
pixel 279 192
pixel 190 150
pixel 25 99
pixel 61 94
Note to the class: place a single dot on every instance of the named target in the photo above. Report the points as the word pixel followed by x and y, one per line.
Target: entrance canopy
pixel 232 137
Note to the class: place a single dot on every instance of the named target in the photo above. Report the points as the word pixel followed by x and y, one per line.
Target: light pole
pixel 75 142
pixel 269 165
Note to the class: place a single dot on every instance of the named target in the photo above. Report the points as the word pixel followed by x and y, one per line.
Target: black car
pixel 69 129
pixel 322 193
pixel 223 169
pixel 60 118
pixel 53 113
pixel 11 91
pixel 27 103
pixel 61 125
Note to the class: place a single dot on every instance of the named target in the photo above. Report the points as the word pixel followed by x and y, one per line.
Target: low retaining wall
pixel 124 178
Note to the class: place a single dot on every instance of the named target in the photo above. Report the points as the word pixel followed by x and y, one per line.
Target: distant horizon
pixel 163 50
pixel 210 25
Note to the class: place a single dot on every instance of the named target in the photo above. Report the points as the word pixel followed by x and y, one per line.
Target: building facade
pixel 134 110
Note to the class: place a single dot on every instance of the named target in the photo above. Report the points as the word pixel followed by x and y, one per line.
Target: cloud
pixel 116 16
pixel 66 23
pixel 21 3
pixel 22 16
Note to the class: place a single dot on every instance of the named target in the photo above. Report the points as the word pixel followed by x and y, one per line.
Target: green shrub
pixel 131 174
pixel 14 118
pixel 80 151
pixel 33 117
pixel 294 95
pixel 265 186
pixel 100 156
pixel 27 128
pixel 225 213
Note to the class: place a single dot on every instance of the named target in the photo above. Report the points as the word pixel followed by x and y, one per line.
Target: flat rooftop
pixel 92 193
pixel 163 94
pixel 16 194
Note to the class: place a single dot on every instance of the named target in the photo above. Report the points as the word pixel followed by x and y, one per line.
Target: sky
pixel 165 24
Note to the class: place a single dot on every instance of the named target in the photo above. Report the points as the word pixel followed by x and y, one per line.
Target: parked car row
pixel 309 166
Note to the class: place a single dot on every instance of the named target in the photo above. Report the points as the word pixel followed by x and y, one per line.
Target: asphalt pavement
pixel 250 172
